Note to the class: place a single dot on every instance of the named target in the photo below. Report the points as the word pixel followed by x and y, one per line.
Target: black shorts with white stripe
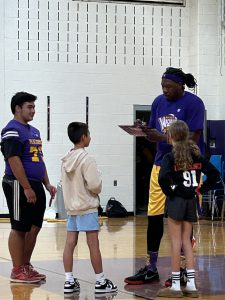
pixel 23 214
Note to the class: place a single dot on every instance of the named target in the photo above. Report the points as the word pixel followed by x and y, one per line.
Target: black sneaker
pixel 71 287
pixel 106 296
pixel 72 296
pixel 183 278
pixel 143 276
pixel 105 287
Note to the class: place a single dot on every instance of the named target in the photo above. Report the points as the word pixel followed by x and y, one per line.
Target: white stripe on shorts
pixel 16 202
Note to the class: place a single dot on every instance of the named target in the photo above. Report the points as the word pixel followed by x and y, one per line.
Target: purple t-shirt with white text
pixel 23 140
pixel 189 108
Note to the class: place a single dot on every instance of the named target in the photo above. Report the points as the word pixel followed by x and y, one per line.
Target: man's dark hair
pixel 75 131
pixel 187 79
pixel 20 98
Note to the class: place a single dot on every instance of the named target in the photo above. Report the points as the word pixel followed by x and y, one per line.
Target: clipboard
pixel 133 130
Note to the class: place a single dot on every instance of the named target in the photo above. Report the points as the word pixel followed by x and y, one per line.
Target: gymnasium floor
pixel 123 248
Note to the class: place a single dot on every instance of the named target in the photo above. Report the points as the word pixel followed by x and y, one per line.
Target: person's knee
pixel 92 241
pixel 34 230
pixel 154 232
pixel 71 243
pixel 17 233
pixel 186 244
pixel 155 224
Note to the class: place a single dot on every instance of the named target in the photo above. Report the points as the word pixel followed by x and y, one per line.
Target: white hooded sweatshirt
pixel 81 182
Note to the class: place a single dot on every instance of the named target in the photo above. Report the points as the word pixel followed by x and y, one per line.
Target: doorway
pixel 144 157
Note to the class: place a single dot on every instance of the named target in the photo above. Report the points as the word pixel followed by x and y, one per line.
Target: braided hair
pixel 178 75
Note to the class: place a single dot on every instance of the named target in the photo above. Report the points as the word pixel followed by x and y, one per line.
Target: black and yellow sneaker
pixel 143 276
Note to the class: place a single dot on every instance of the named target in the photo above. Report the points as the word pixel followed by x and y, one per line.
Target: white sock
pixel 191 280
pixel 69 276
pixel 175 281
pixel 100 277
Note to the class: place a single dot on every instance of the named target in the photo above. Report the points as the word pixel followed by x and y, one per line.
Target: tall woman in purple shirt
pixel 174 104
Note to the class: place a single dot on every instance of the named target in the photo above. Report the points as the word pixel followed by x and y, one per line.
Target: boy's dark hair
pixel 75 131
pixel 20 98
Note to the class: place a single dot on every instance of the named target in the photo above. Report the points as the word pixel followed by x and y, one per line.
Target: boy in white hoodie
pixel 81 183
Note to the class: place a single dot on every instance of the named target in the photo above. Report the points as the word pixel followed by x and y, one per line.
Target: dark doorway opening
pixel 145 154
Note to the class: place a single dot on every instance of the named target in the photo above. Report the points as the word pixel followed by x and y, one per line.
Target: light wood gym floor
pixel 123 247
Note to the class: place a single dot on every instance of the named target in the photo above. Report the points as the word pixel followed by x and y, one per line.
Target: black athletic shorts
pixel 181 209
pixel 23 214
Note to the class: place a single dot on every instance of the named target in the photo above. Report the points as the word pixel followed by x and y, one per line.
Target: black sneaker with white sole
pixel 106 296
pixel 105 287
pixel 143 276
pixel 71 287
pixel 72 296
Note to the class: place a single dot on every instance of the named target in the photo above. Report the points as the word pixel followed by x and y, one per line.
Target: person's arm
pixel 49 187
pixel 12 149
pixel 164 178
pixel 153 135
pixel 19 172
pixel 92 176
pixel 212 176
pixel 195 116
pixel 195 136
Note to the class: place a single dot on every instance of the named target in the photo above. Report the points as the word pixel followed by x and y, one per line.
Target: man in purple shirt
pixel 174 104
pixel 25 175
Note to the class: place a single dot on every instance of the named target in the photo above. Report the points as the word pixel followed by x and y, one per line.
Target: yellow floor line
pixel 4 220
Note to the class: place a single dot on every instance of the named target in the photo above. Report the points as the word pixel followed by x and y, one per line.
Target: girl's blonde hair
pixel 183 147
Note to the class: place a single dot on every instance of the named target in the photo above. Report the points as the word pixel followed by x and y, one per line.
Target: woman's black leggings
pixel 154 232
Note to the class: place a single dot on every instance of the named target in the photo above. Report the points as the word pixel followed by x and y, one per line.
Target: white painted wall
pixel 3 206
pixel 113 53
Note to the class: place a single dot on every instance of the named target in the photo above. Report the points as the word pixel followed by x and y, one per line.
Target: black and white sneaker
pixel 71 287
pixel 72 296
pixel 105 296
pixel 105 287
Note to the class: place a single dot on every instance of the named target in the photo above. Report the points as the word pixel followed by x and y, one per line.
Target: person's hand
pixel 139 124
pixel 51 189
pixel 30 195
pixel 153 135
pixel 197 191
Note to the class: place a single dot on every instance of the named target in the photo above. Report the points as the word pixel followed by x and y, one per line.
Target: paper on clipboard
pixel 133 130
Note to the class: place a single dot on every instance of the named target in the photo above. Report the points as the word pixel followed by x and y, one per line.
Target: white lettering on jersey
pixel 190 178
pixel 166 121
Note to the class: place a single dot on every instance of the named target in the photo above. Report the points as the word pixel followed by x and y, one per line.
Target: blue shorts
pixel 86 222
